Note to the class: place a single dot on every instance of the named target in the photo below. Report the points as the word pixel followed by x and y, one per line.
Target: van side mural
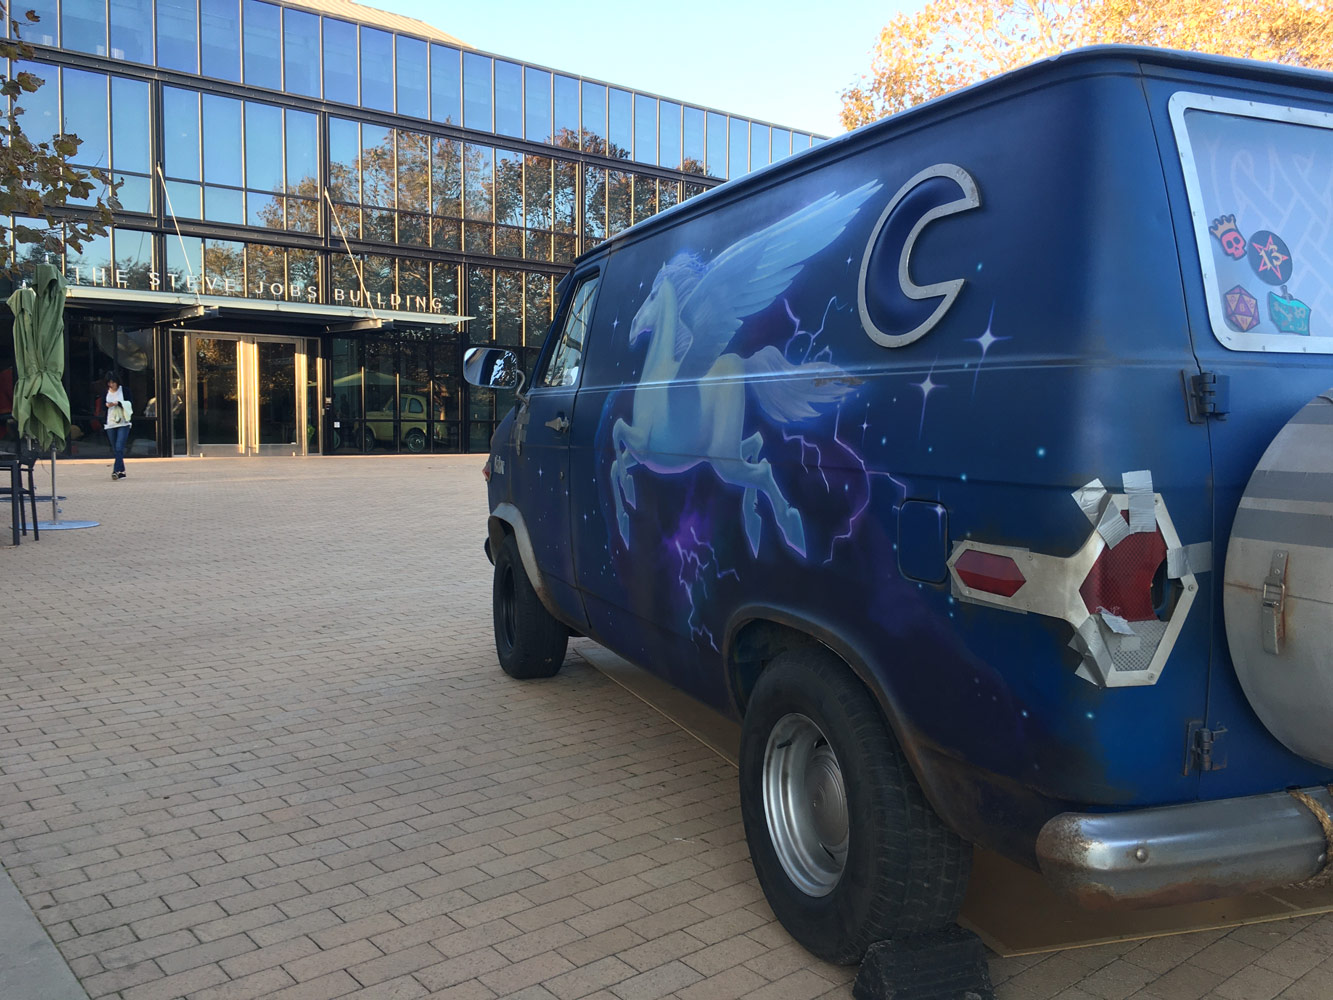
pixel 693 310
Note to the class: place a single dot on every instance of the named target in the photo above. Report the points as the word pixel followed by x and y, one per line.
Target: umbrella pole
pixel 55 510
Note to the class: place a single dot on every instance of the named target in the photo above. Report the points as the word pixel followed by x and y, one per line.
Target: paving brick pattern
pixel 254 743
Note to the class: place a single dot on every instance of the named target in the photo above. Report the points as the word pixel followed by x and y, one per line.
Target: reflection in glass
pixel 130 143
pixel 131 30
pixel 377 166
pixel 302 152
pixel 668 194
pixel 43 32
pixel 178 35
pixel 668 154
pixel 263 146
pixel 566 130
pixel 739 158
pixel 444 286
pixel 413 171
pixel 620 124
pixel 692 142
pixel 180 126
pixel 481 304
pixel 220 22
pixel 446 172
pixel 224 205
pixel 478 179
pixel 135 193
pixel 645 198
pixel 564 199
pixel 619 201
pixel 536 309
pixel 224 267
pixel 508 98
pixel 477 91
pixel 594 117
pixel 508 191
pixel 277 392
pixel 83 26
pixel 300 51
pixel 508 307
pixel 445 89
pixel 262 37
pixel 86 115
pixel 594 202
pixel 134 258
pixel 340 61
pixel 537 192
pixel 217 391
pixel 263 210
pixel 781 144
pixel 376 69
pixel 222 140
pixel 645 128
pixel 413 78
pixel 184 264
pixel 716 163
pixel 759 140
pixel 537 95
pixel 344 160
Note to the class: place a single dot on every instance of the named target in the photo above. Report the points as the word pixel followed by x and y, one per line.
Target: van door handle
pixel 558 423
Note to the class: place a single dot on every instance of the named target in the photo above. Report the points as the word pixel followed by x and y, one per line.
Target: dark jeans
pixel 118 437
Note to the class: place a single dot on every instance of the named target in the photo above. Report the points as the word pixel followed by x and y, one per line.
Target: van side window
pixel 562 366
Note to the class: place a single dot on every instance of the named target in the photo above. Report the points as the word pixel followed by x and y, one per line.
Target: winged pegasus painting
pixel 690 405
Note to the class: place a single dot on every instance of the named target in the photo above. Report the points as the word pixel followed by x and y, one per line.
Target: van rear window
pixel 1260 183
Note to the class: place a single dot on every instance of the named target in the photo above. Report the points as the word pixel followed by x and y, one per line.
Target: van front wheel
pixel 845 846
pixel 529 642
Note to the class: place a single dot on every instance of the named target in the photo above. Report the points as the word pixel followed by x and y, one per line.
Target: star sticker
pixel 1270 257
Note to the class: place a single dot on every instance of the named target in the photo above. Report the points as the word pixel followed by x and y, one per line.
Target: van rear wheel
pixel 845 846
pixel 529 642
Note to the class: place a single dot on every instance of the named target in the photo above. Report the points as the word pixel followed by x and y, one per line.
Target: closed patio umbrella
pixel 41 405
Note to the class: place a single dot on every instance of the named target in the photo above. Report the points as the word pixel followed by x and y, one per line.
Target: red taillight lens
pixel 1121 580
pixel 991 573
pixel 486 471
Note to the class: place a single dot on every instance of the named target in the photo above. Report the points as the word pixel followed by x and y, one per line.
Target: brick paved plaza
pixel 254 743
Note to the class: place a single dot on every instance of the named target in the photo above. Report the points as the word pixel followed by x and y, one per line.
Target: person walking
pixel 118 414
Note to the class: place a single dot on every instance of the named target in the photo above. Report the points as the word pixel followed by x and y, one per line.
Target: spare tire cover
pixel 1278 585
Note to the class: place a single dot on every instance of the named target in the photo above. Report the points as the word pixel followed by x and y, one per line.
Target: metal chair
pixel 17 464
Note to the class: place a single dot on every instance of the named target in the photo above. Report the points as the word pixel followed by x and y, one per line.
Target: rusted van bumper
pixel 1184 853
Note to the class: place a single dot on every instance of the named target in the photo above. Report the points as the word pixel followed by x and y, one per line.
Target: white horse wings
pixel 690 406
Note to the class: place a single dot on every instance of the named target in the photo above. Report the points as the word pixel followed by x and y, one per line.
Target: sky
pixel 780 61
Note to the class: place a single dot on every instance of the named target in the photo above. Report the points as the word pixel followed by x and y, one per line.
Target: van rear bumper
pixel 1183 853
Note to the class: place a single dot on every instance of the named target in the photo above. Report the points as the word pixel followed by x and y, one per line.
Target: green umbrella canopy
pixel 41 405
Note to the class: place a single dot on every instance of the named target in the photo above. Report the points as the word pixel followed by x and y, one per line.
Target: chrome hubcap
pixel 805 804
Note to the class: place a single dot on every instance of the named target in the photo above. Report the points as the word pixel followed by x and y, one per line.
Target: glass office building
pixel 321 205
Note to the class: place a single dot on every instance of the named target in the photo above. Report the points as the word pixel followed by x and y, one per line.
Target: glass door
pixel 244 397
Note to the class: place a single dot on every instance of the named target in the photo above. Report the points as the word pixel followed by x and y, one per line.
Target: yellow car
pixel 414 418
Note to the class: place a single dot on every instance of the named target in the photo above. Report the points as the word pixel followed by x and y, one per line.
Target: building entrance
pixel 244 395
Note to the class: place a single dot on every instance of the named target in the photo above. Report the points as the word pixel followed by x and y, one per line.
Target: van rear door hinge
pixel 1207 394
pixel 1202 750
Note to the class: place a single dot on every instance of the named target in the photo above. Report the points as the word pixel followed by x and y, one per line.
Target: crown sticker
pixel 1233 243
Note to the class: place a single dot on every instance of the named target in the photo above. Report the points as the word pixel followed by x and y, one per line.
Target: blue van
pixel 980 461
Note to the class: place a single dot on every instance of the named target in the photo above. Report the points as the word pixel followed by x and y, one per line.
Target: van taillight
pixel 990 573
pixel 486 471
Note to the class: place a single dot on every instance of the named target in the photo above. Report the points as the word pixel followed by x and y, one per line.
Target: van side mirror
pixel 492 368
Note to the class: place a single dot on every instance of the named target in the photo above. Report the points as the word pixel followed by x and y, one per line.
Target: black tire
pixel 529 642
pixel 896 871
pixel 368 440
pixel 415 440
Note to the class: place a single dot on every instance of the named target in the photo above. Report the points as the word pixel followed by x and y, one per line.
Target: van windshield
pixel 1260 183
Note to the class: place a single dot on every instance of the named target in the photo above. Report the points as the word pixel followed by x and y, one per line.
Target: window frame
pixel 1180 104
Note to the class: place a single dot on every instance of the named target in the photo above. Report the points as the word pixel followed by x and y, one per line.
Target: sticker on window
pixel 1260 185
